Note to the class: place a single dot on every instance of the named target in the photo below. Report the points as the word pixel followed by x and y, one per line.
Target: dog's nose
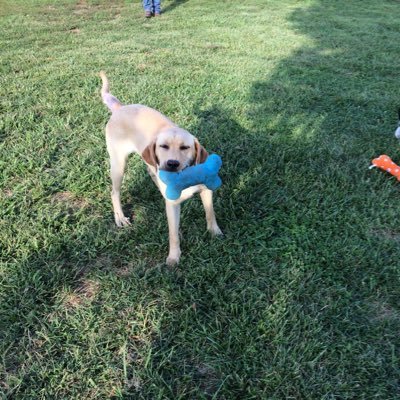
pixel 173 164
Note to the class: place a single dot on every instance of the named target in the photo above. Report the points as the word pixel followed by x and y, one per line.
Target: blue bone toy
pixel 201 174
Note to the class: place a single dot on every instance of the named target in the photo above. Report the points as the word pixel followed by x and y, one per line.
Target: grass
pixel 299 300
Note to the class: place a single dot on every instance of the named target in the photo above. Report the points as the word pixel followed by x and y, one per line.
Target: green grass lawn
pixel 299 300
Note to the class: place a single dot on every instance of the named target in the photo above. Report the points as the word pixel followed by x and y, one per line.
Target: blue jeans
pixel 152 6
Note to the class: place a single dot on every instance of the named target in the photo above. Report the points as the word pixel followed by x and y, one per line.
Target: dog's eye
pixel 164 146
pixel 184 147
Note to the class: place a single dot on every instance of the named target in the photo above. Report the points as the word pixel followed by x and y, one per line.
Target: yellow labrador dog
pixel 162 145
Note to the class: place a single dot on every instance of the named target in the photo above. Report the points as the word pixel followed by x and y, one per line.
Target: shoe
pixel 147 14
pixel 157 14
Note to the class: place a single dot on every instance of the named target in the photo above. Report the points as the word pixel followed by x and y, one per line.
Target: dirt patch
pixel 381 311
pixel 206 378
pixel 70 200
pixel 75 30
pixel 124 271
pixel 214 47
pixel 85 293
pixel 388 234
pixel 88 289
pixel 141 67
pixel 84 7
pixel 7 193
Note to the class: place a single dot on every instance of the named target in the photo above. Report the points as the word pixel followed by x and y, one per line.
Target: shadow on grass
pixel 299 209
pixel 290 303
pixel 174 4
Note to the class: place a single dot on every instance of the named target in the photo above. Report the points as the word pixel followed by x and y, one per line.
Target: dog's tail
pixel 109 100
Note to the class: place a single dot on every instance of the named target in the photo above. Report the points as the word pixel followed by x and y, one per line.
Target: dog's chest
pixel 186 193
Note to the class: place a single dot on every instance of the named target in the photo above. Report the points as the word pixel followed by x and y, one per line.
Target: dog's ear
pixel 149 154
pixel 200 153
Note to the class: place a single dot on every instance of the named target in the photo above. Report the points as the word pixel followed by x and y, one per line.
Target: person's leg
pixel 157 7
pixel 147 5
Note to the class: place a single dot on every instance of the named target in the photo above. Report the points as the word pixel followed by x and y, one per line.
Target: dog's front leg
pixel 173 216
pixel 207 199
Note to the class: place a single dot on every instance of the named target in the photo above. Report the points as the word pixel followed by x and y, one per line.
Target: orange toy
pixel 384 162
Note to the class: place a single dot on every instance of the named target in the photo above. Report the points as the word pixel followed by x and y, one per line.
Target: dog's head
pixel 173 150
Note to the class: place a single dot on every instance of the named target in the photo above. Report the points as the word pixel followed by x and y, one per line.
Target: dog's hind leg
pixel 117 168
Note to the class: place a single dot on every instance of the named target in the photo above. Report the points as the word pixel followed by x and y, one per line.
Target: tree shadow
pixel 296 178
pixel 174 4
pixel 297 280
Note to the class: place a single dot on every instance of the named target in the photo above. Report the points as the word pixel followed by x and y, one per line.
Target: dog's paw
pixel 172 261
pixel 122 221
pixel 173 257
pixel 215 231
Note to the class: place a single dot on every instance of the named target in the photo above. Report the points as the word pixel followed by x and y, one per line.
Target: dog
pixel 162 145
